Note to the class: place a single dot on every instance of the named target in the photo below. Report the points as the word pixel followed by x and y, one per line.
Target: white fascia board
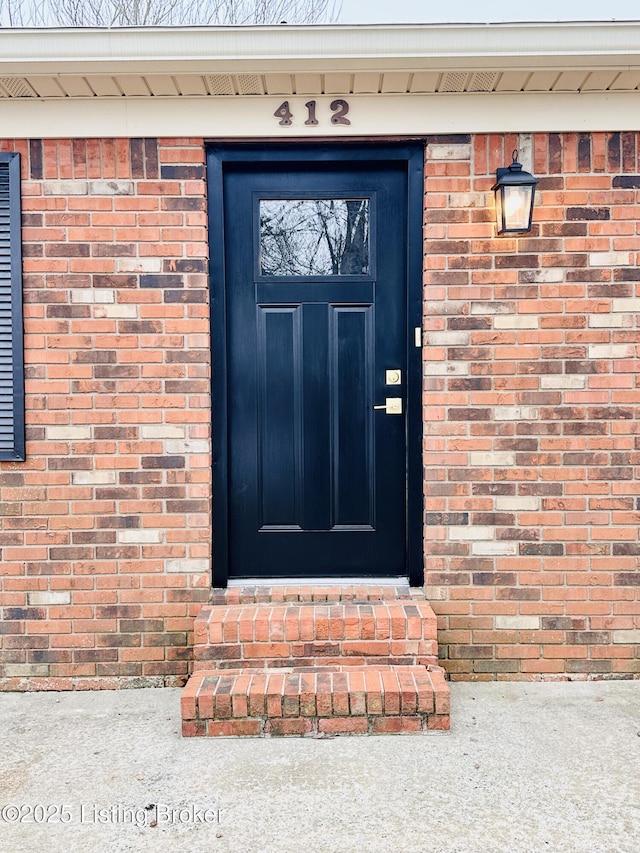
pixel 252 118
pixel 173 50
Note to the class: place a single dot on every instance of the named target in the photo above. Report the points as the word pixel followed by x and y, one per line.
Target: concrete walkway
pixel 526 768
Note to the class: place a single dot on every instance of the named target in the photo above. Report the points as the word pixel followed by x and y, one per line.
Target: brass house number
pixel 339 109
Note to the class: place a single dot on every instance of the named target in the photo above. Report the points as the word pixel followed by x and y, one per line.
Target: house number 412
pixel 339 108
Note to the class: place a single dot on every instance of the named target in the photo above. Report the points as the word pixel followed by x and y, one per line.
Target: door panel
pixel 351 394
pixel 316 312
pixel 279 432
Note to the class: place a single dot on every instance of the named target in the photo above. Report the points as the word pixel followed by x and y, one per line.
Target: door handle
pixel 392 406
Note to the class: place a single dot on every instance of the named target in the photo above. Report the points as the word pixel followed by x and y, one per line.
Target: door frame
pixel 218 155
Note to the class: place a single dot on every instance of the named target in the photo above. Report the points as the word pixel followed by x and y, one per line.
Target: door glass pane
pixel 322 236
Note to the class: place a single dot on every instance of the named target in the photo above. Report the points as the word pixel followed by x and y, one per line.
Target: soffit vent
pixel 220 84
pixel 17 87
pixel 454 81
pixel 250 84
pixel 483 81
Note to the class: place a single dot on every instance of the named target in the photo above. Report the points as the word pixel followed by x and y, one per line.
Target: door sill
pixel 359 581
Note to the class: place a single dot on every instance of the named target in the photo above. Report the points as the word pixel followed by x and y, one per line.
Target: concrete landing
pixel 526 768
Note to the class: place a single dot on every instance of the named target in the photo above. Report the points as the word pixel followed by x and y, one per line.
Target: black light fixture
pixel 514 191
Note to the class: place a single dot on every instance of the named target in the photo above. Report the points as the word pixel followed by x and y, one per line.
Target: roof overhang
pixel 208 50
pixel 600 61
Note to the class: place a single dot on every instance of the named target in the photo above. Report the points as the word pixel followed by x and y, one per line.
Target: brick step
pixel 253 594
pixel 327 700
pixel 397 632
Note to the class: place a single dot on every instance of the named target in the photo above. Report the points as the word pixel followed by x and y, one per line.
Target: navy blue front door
pixel 315 266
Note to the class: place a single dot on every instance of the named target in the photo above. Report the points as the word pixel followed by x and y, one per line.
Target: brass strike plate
pixel 393 377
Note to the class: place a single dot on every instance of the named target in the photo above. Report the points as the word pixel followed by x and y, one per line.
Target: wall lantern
pixel 514 190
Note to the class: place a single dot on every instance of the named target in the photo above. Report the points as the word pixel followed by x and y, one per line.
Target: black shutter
pixel 11 346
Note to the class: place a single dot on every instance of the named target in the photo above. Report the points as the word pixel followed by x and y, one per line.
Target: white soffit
pixel 41 86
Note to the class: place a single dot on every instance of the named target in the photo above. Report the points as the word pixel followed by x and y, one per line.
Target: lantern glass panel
pixel 516 207
pixel 499 217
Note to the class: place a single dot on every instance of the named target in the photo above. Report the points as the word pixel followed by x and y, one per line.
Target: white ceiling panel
pixel 46 87
pixel 161 85
pixel 366 83
pixel 570 81
pixel 395 82
pixel 279 84
pixel 425 81
pixel 599 81
pixel 75 87
pixel 626 81
pixel 132 85
pixel 104 87
pixel 337 84
pixel 512 81
pixel 308 84
pixel 541 81
pixel 191 84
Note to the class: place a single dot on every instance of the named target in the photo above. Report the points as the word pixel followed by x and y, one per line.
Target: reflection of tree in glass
pixel 314 236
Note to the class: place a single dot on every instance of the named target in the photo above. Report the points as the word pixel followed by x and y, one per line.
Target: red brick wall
pixel 105 529
pixel 531 397
pixel 531 403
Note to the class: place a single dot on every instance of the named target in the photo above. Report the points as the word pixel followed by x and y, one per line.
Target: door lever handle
pixel 392 406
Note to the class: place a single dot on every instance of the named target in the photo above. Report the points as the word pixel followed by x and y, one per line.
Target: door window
pixel 314 237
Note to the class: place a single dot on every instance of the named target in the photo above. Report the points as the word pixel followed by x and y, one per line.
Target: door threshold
pixel 361 581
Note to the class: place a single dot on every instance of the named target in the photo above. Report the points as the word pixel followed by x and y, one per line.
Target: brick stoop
pixel 315 660
pixel 316 700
